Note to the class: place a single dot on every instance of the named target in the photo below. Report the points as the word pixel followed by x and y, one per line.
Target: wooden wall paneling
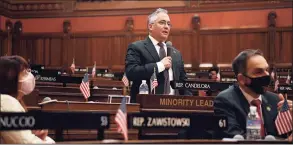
pixel 40 53
pixel 119 48
pixel 256 40
pixel 183 42
pixel 109 49
pixel 70 50
pixel 95 55
pixel 66 62
pixel 208 46
pixel 225 46
pixel 55 52
pixel 195 50
pixel 3 45
pixel 47 54
pixel 103 49
pixel 30 51
pixel 6 43
pixel 284 47
pixel 218 48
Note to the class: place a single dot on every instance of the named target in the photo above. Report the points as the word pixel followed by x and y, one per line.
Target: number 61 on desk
pixel 222 123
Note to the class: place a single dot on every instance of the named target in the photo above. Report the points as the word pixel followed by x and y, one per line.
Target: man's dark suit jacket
pixel 233 104
pixel 141 59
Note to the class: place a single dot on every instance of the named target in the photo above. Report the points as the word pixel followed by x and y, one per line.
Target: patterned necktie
pixel 163 54
pixel 257 103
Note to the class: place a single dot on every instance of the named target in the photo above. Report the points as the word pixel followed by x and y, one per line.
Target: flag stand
pixel 151 84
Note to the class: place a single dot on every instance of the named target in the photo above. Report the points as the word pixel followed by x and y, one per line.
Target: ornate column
pixel 272 36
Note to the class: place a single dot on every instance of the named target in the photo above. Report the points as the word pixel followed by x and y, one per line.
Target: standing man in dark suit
pixel 145 55
pixel 251 71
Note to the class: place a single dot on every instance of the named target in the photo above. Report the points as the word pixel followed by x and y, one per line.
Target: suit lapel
pixel 242 100
pixel 151 49
pixel 266 109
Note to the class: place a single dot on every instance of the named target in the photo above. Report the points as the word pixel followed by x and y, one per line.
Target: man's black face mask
pixel 257 84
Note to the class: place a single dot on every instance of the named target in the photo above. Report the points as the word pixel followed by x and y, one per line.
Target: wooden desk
pixel 174 142
pixel 74 93
pixel 90 134
pixel 171 103
pixel 150 142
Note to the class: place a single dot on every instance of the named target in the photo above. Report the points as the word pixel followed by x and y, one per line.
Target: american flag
pixel 121 119
pixel 125 80
pixel 273 74
pixel 288 78
pixel 72 67
pixel 218 76
pixel 284 119
pixel 154 81
pixel 277 83
pixel 85 86
pixel 94 70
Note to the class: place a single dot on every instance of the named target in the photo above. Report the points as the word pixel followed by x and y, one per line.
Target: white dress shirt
pixel 160 65
pixel 249 98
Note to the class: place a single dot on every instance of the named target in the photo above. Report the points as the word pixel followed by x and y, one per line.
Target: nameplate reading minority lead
pixel 176 102
pixel 216 86
pixel 176 120
pixel 54 120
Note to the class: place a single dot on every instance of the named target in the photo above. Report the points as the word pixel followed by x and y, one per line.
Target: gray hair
pixel 152 17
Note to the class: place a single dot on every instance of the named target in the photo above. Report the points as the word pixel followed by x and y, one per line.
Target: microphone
pixel 169 44
pixel 169 47
pixel 270 138
pixel 47 100
pixel 238 137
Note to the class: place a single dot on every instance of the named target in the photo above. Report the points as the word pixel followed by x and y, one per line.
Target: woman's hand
pixel 40 133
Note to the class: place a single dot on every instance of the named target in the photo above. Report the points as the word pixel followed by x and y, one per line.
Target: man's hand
pixel 41 133
pixel 280 104
pixel 167 61
pixel 290 138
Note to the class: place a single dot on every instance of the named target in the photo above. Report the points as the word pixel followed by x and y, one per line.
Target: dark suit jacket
pixel 141 59
pixel 233 104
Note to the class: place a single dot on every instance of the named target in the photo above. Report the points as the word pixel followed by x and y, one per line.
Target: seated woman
pixel 17 81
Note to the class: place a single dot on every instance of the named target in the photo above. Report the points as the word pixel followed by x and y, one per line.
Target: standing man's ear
pixel 150 26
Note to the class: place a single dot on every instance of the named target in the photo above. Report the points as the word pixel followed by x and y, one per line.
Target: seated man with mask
pixel 251 71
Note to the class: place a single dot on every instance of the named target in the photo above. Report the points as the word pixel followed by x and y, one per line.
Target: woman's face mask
pixel 27 83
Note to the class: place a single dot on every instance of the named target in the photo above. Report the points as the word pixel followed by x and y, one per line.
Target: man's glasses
pixel 163 23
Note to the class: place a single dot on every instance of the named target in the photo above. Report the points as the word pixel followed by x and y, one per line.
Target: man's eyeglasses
pixel 163 23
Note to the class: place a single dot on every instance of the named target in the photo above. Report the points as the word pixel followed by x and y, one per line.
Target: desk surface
pixel 179 141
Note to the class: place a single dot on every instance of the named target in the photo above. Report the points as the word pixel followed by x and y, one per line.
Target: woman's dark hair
pixel 23 64
pixel 9 72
